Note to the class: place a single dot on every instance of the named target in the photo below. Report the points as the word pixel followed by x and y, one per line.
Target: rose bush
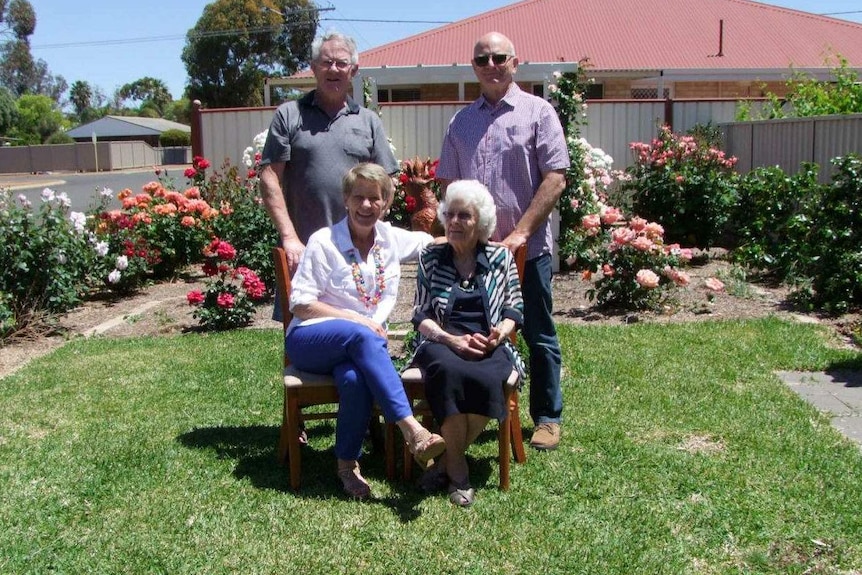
pixel 44 257
pixel 685 184
pixel 228 300
pixel 158 230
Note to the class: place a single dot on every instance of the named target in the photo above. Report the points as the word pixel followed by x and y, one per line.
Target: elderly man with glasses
pixel 513 143
pixel 313 142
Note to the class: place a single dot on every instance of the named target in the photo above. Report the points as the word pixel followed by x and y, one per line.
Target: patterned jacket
pixel 496 278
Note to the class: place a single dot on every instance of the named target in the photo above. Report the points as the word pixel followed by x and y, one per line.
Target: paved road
pixel 83 188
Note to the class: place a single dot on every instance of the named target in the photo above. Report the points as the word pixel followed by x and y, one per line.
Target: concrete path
pixel 836 393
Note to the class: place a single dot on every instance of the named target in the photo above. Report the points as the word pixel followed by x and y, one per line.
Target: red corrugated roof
pixel 638 35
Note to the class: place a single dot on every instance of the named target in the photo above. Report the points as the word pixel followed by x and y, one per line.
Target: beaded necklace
pixel 379 277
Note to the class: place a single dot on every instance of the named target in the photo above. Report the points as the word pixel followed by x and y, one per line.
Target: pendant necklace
pixel 379 277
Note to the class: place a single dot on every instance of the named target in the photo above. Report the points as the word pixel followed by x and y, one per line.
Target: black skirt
pixel 454 385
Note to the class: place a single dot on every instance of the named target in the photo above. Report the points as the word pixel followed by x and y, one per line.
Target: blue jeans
pixel 540 333
pixel 359 361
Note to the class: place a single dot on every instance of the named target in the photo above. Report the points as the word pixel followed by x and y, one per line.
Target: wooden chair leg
pixel 293 449
pixel 515 424
pixel 504 439
pixel 281 455
pixel 389 446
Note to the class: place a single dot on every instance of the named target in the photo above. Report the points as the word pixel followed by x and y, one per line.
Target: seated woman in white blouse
pixel 343 291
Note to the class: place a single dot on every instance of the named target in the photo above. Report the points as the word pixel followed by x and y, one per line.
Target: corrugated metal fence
pixel 87 157
pixel 789 142
pixel 417 129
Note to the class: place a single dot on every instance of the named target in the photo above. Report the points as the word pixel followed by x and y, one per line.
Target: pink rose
pixel 713 284
pixel 190 173
pixel 611 215
pixel 642 244
pixel 608 270
pixel 622 236
pixel 637 224
pixel 188 222
pixel 591 221
pixel 654 230
pixel 647 279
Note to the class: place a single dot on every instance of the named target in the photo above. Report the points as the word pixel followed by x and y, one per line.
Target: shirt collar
pixel 342 241
pixel 510 97
pixel 308 100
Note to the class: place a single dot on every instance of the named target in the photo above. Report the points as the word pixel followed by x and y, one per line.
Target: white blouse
pixel 325 271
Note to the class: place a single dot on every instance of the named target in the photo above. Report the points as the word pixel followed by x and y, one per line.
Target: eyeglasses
pixel 497 59
pixel 340 65
pixel 463 216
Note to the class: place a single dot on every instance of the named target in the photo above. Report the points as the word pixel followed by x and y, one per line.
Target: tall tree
pixel 152 93
pixel 8 111
pixel 81 96
pixel 236 44
pixel 18 71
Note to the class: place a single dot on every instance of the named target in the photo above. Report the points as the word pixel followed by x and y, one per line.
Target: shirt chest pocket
pixel 358 144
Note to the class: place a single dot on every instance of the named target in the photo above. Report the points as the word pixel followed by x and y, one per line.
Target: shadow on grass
pixel 253 448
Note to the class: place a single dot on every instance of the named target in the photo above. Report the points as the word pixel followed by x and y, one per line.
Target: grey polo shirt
pixel 318 151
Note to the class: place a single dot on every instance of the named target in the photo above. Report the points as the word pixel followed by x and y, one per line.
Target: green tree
pixel 808 96
pixel 8 111
pixel 153 95
pixel 18 71
pixel 179 111
pixel 236 44
pixel 81 97
pixel 39 117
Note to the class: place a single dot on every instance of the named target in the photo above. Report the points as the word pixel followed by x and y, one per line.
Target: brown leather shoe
pixel 546 437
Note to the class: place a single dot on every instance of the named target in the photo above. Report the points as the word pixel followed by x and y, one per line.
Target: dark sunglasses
pixel 497 59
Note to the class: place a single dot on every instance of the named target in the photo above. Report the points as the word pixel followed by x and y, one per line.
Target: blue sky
pixel 111 43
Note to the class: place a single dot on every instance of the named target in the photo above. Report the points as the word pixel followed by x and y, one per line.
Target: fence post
pixel 668 113
pixel 197 136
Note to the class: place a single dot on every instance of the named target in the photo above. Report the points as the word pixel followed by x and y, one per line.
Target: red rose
pixel 190 173
pixel 195 297
pixel 410 204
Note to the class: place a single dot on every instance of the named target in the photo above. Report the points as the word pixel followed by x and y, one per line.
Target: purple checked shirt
pixel 507 147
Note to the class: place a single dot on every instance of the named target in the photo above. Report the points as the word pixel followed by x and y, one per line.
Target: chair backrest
pixel 520 263
pixel 282 279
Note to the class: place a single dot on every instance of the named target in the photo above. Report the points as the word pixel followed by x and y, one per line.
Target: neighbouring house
pixel 636 50
pixel 125 128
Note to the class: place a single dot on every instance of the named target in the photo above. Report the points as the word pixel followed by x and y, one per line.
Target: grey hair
pixel 331 35
pixel 372 173
pixel 473 194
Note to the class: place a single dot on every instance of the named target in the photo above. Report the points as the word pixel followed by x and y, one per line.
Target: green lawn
pixel 682 453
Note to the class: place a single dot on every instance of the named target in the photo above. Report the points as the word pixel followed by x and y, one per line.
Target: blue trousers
pixel 359 361
pixel 540 333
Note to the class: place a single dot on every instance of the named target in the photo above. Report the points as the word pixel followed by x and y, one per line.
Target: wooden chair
pixel 509 434
pixel 303 389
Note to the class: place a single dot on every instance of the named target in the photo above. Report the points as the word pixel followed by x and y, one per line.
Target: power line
pixel 216 33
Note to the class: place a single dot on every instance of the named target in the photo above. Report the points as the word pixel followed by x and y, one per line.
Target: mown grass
pixel 682 453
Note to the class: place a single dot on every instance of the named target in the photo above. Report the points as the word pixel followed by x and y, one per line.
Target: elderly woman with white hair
pixel 468 302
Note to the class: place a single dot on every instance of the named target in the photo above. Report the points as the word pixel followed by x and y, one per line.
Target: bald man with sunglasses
pixel 513 143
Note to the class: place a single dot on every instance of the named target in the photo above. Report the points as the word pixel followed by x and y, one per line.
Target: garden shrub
pixel 769 223
pixel 245 223
pixel 228 299
pixel 806 234
pixel 44 257
pixel 835 240
pixel 60 138
pixel 158 231
pixel 175 137
pixel 686 185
